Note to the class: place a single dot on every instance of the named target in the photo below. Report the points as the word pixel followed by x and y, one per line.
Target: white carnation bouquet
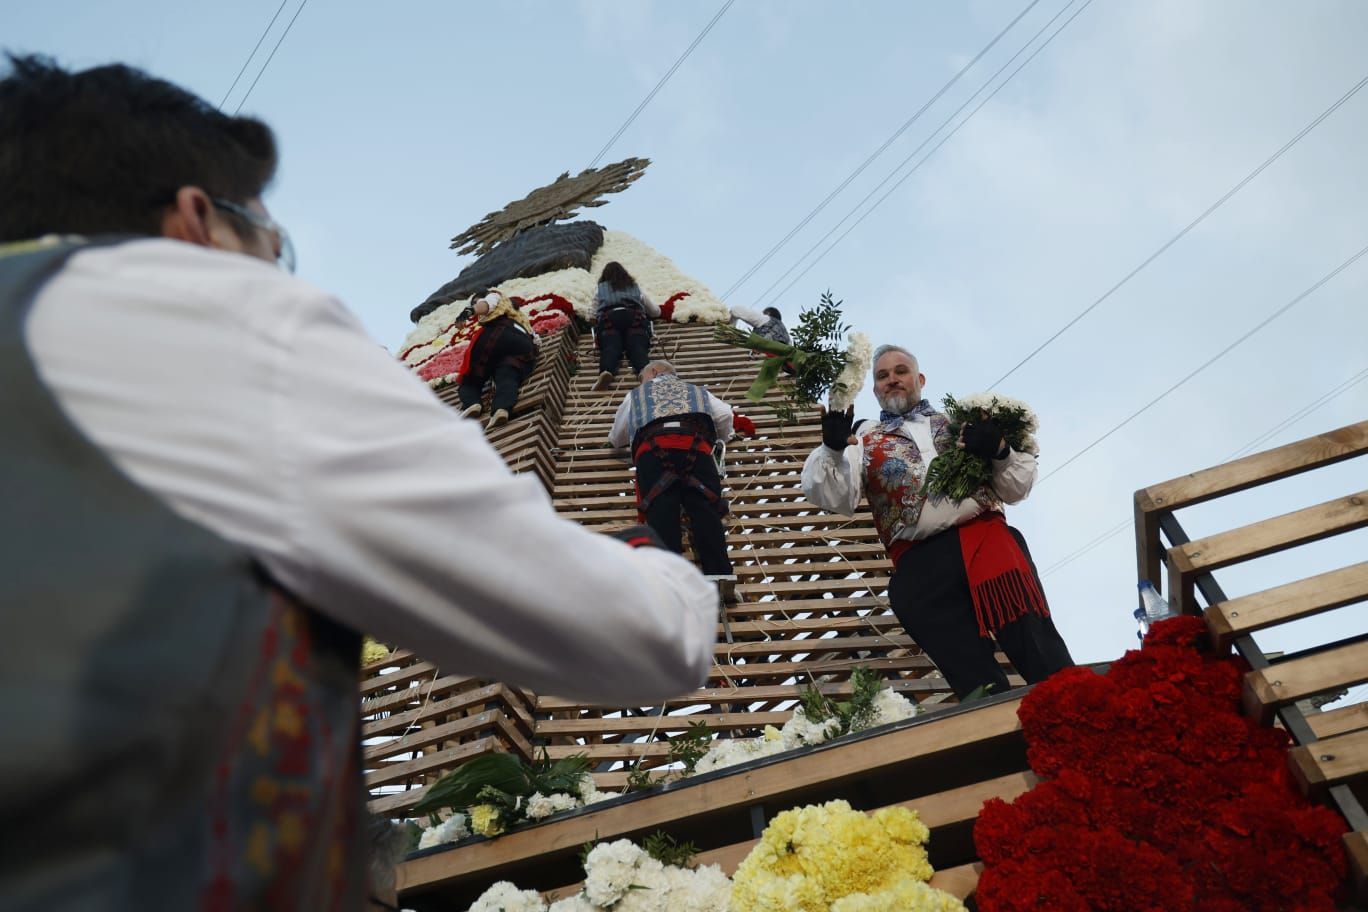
pixel 957 474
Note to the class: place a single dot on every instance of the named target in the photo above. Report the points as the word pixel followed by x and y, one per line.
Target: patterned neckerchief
pixel 891 421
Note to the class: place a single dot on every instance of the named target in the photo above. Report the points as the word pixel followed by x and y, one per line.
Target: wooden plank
pixel 1333 722
pixel 1257 539
pixel 1356 847
pixel 828 766
pixel 1303 598
pixel 1332 761
pixel 1256 469
pixel 1286 682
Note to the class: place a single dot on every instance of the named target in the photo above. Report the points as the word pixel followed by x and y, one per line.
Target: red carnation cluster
pixel 667 309
pixel 1158 794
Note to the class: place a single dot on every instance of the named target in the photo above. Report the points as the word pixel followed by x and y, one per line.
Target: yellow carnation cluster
pixel 486 820
pixel 373 651
pixel 811 858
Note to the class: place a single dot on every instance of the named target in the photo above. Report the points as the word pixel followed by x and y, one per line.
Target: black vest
pixel 176 732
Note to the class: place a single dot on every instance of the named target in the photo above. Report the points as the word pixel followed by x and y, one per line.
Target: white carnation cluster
pixel 453 829
pixel 799 731
pixel 621 876
pixel 848 383
pixel 991 402
pixel 655 274
pixel 540 806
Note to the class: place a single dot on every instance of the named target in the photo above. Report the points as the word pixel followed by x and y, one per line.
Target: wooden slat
pixel 1257 539
pixel 1356 847
pixel 829 767
pixel 1338 721
pixel 1228 478
pixel 1286 682
pixel 1236 617
pixel 1332 761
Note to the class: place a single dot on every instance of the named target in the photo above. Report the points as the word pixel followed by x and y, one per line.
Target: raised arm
pixel 832 478
pixel 405 523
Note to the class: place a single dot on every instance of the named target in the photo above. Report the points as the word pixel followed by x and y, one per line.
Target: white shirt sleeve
pixel 722 417
pixel 749 314
pixel 255 405
pixel 651 307
pixel 618 435
pixel 1013 476
pixel 835 481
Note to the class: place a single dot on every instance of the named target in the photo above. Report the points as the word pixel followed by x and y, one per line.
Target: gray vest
pixel 170 720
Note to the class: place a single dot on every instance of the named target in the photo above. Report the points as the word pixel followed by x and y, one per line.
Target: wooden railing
pixel 1330 760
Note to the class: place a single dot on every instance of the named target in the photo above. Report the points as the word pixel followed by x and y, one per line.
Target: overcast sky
pixel 403 123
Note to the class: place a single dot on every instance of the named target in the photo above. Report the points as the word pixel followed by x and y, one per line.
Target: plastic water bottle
pixel 1155 607
pixel 1142 622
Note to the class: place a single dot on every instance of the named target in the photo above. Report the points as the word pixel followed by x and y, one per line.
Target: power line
pixel 1301 413
pixel 663 79
pixel 927 156
pixel 1293 419
pixel 877 152
pixel 1191 225
pixel 1213 359
pixel 279 41
pixel 256 48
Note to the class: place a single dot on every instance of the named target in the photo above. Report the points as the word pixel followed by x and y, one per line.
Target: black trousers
pixel 625 335
pixel 507 358
pixel 664 513
pixel 929 593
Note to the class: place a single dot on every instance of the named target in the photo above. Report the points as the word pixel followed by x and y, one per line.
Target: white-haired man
pixel 961 576
pixel 672 426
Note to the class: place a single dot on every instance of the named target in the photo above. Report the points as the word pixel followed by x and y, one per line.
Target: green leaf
pixel 769 373
pixel 459 788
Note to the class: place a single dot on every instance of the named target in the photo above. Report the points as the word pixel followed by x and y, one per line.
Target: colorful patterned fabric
pixel 895 473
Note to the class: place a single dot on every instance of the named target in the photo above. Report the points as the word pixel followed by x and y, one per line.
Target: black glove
pixel 638 537
pixel 837 428
pixel 984 439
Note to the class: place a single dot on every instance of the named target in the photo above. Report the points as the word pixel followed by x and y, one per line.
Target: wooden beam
pixel 1333 761
pixel 1236 617
pixel 1257 539
pixel 1286 682
pixel 829 765
pixel 1356 846
pixel 1327 724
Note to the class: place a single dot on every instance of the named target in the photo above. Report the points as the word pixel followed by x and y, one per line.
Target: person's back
pixel 214 481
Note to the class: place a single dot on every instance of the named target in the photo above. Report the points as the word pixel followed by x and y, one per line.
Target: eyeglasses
pixel 286 256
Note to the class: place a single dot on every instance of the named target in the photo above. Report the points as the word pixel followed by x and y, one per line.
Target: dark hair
pixel 773 312
pixel 618 279
pixel 102 151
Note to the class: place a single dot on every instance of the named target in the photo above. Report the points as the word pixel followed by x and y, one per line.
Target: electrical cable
pixel 663 79
pixel 279 41
pixel 924 159
pixel 264 33
pixel 1191 225
pixel 877 152
pixel 1212 360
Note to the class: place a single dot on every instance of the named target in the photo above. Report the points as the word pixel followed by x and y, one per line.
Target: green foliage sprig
pixel 817 355
pixel 505 782
pixel 854 714
pixel 665 849
pixel 957 474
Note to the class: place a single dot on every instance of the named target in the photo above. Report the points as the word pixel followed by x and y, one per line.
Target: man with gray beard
pixel 962 576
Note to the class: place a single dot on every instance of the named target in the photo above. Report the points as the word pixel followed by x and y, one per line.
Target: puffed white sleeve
pixel 1013 476
pixel 834 481
pixel 651 307
pixel 749 314
pixel 617 436
pixel 405 523
pixel 722 416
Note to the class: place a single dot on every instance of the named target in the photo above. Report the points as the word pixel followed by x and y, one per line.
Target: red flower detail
pixel 1156 793
pixel 743 425
pixel 667 309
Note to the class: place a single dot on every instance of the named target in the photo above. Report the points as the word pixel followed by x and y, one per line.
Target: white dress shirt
pixel 255 404
pixel 835 481
pixel 621 434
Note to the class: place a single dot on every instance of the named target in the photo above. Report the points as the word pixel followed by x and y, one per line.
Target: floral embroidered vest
pixel 665 396
pixel 895 474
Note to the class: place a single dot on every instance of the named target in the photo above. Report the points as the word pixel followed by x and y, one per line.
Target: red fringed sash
pixel 1000 579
